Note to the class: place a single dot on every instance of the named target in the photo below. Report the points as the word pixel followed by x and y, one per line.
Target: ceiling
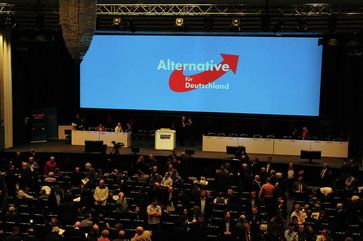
pixel 150 15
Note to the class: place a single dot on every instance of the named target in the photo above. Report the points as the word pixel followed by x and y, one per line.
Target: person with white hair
pixel 90 173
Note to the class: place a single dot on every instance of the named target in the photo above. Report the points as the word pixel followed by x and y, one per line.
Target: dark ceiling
pixel 285 16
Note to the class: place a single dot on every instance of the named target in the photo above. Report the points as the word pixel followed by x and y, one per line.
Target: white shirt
pixel 118 129
pixel 101 194
pixel 166 182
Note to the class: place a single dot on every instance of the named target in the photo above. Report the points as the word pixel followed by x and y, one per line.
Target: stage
pixel 60 147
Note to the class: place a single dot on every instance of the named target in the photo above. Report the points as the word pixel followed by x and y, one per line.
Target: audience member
pixel 142 235
pixel 100 194
pixel 290 234
pixel 54 235
pixel 104 235
pixel 154 214
pixel 50 165
pixel 167 181
pixel 14 235
pixel 326 176
pixel 118 127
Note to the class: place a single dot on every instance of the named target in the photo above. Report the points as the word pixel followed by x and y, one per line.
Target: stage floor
pixel 62 147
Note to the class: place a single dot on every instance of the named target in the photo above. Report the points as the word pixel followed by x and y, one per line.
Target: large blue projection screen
pixel 225 74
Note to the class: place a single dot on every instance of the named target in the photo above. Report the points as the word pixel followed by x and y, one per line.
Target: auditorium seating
pixel 135 190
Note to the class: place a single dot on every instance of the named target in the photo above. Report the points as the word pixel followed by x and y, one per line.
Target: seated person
pixel 100 127
pixel 118 128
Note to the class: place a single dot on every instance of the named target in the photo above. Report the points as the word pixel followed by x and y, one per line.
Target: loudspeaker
pixel 310 154
pixel 93 146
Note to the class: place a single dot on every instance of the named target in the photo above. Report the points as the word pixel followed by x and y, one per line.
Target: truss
pixel 210 10
pixel 6 8
pixel 221 10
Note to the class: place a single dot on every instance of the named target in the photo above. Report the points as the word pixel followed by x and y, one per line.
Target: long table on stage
pixel 79 137
pixel 276 146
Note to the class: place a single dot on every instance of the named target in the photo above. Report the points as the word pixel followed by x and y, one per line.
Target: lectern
pixel 165 139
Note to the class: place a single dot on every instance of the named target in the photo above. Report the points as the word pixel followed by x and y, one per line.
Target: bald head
pixel 121 233
pixel 139 230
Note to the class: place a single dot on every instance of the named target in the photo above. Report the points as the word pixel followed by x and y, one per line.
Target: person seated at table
pixel 305 133
pixel 118 128
pixel 128 127
pixel 100 127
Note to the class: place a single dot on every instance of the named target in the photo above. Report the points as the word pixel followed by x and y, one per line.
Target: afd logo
pixel 209 72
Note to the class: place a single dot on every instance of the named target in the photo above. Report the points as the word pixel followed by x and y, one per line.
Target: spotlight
pixel 236 24
pixel 329 41
pixel 332 41
pixel 179 22
pixel 116 21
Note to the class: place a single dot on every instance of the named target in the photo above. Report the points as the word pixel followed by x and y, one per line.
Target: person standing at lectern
pixel 189 132
pixel 182 130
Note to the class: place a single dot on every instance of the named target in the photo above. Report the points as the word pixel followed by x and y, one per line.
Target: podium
pixel 165 139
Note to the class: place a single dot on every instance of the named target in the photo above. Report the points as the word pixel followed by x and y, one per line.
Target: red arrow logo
pixel 178 82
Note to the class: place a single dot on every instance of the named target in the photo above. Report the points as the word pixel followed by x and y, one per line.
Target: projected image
pixel 224 74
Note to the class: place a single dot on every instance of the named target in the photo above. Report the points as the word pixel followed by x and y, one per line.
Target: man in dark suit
pixel 205 204
pixel 233 201
pixel 269 165
pixel 339 222
pixel 300 189
pixel 25 176
pixel 326 176
pixel 226 228
pixel 56 197
pixel 256 184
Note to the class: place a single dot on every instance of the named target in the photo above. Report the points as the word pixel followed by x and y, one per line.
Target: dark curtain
pixel 44 75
